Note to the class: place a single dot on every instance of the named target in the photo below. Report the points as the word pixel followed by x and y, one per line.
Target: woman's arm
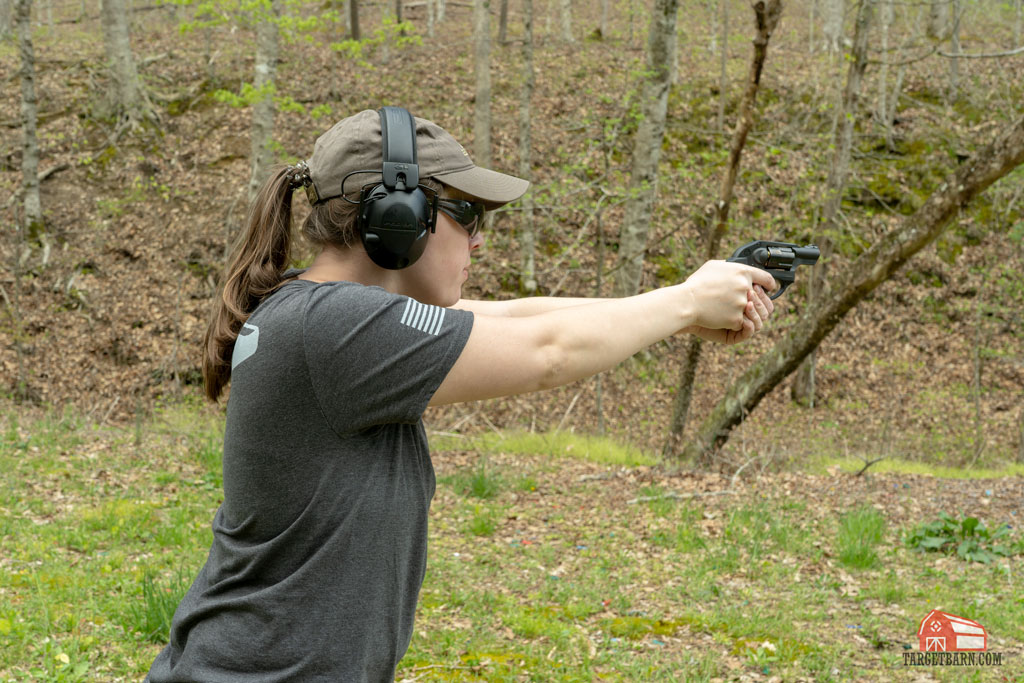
pixel 517 308
pixel 513 355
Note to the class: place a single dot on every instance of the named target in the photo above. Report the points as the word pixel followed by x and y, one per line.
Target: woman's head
pixel 345 159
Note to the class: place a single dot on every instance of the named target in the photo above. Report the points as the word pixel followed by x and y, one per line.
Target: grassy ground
pixel 552 559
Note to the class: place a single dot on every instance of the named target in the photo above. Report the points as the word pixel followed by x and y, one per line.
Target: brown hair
pixel 259 260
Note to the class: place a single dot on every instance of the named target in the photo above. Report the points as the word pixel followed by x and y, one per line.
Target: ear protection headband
pixel 396 216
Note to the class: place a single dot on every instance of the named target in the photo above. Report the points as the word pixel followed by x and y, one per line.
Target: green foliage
pixel 968 538
pixel 151 617
pixel 391 33
pixel 859 532
pixel 483 522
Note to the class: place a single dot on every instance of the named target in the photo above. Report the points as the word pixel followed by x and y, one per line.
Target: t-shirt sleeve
pixel 375 357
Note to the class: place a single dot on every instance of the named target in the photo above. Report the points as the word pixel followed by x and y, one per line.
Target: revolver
pixel 778 258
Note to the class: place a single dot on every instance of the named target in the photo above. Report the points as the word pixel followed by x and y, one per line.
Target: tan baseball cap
pixel 355 144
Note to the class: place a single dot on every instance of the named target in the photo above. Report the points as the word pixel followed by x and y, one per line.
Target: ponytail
pixel 255 270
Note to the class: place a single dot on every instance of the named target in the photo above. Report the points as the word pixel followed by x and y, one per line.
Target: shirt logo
pixel 245 345
pixel 423 317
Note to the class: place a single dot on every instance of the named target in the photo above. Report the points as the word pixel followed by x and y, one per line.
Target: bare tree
pixel 566 7
pixel 766 19
pixel 263 108
pixel 850 287
pixel 661 54
pixel 5 18
pixel 1018 25
pixel 503 23
pixel 723 76
pixel 527 233
pixel 832 28
pixel 954 48
pixel 938 19
pixel 353 19
pixel 33 220
pixel 126 96
pixel 803 390
pixel 482 104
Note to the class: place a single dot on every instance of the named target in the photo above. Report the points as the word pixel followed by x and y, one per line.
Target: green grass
pixel 556 444
pixel 860 531
pixel 544 577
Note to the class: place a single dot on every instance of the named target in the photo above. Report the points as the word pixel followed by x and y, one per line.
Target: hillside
pixel 109 313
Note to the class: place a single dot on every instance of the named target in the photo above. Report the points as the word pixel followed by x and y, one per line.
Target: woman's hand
pixel 722 297
pixel 759 308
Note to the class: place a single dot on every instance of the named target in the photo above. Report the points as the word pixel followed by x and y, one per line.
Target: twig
pixel 867 464
pixel 572 404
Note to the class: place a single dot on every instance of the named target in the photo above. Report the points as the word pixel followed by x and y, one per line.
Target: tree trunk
pixel 723 76
pixel 803 391
pixel 482 104
pixel 938 19
pixel 566 6
pixel 33 222
pixel 766 17
pixel 5 18
pixel 850 287
pixel 527 234
pixel 440 11
pixel 832 29
pixel 353 20
pixel 503 23
pixel 882 108
pixel 954 48
pixel 263 109
pixel 1018 31
pixel 431 12
pixel 603 27
pixel 399 15
pixel 126 96
pixel 661 51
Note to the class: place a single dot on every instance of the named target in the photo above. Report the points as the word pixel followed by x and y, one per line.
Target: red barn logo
pixel 942 632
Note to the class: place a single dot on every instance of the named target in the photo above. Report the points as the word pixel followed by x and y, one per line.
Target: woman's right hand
pixel 718 293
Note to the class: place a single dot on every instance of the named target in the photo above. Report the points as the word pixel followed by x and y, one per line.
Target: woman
pixel 319 547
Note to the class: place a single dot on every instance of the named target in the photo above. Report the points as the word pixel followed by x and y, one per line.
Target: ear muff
pixel 395 217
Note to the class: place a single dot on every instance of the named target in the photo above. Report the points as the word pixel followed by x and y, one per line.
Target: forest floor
pixel 578 561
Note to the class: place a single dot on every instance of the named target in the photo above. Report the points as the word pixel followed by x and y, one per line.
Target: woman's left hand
pixel 759 309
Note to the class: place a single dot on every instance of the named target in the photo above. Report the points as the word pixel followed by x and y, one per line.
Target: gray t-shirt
pixel 319 548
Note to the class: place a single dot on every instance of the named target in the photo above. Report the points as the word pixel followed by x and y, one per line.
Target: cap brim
pixel 492 188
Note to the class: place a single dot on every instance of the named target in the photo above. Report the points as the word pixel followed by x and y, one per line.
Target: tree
pixel 827 229
pixel 527 234
pixel 566 7
pixel 125 97
pixel 938 19
pixel 5 18
pixel 766 16
pixel 263 110
pixel 482 104
pixel 860 278
pixel 353 20
pixel 33 219
pixel 503 22
pixel 661 54
pixel 832 29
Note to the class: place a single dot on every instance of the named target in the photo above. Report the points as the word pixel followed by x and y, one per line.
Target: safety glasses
pixel 466 214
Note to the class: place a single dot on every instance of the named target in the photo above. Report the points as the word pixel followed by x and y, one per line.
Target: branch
pixel 984 55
